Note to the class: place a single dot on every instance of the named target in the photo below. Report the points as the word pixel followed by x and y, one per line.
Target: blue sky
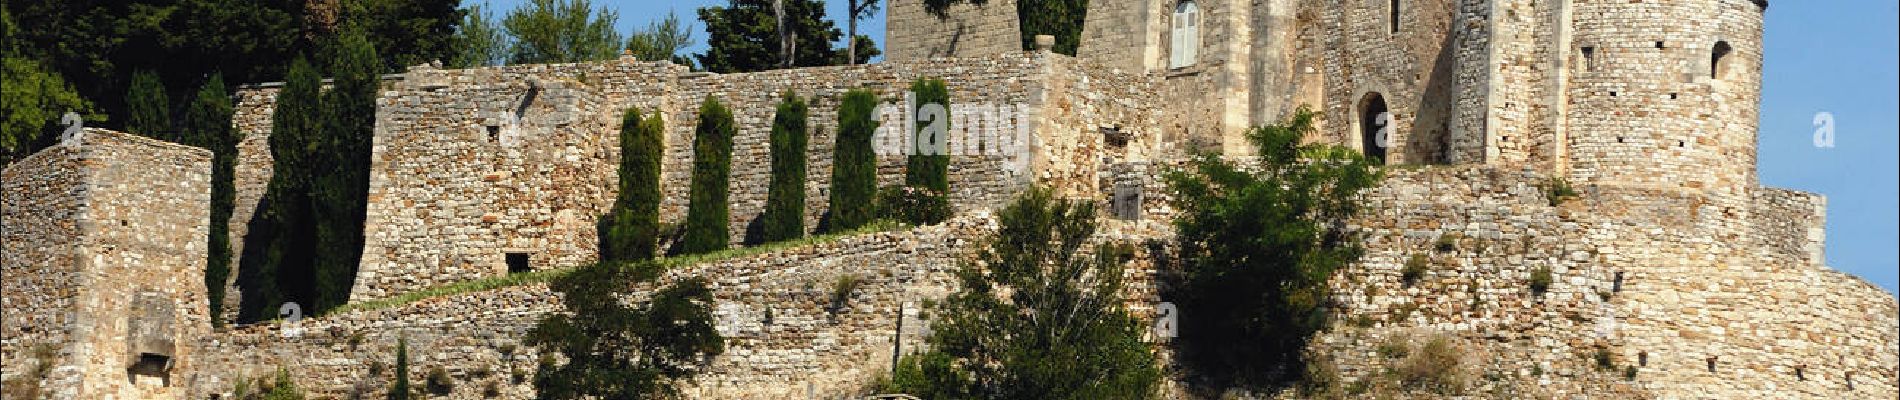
pixel 1840 57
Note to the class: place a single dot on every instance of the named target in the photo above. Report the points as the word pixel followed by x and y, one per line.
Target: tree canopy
pixel 743 36
pixel 562 31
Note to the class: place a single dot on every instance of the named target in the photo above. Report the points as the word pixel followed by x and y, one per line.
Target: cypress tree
pixel 707 213
pixel 630 231
pixel 785 200
pixel 276 266
pixel 341 191
pixel 929 171
pixel 400 390
pixel 854 165
pixel 207 124
pixel 149 109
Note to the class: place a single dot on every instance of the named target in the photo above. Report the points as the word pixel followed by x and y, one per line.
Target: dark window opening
pixel 1589 58
pixel 1711 364
pixel 1127 202
pixel 1801 373
pixel 1718 59
pixel 1375 125
pixel 150 369
pixel 1617 286
pixel 1659 44
pixel 1612 94
pixel 1850 380
pixel 517 263
pixel 1395 17
pixel 1642 359
pixel 1672 96
pixel 494 133
pixel 1680 143
pixel 1115 136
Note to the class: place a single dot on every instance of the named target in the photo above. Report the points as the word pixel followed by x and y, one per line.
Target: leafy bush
pixel 1435 367
pixel 1258 248
pixel 707 212
pixel 439 382
pixel 785 199
pixel 842 289
pixel 616 350
pixel 1447 242
pixel 1394 347
pixel 854 164
pixel 1414 269
pixel 1540 280
pixel 631 230
pixel 1558 190
pixel 1604 359
pixel 913 205
pixel 1059 333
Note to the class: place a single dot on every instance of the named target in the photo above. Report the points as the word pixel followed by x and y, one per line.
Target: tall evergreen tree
pixel 207 123
pixel 277 265
pixel 406 32
pixel 707 212
pixel 480 41
pixel 630 231
pixel 923 169
pixel 150 110
pixel 341 189
pixel 785 199
pixel 562 31
pixel 616 350
pixel 854 163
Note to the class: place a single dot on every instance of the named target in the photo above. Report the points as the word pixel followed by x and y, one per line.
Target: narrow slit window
pixel 1394 19
pixel 1589 58
pixel 1718 60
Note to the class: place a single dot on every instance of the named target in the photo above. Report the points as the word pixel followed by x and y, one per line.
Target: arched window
pixel 1718 60
pixel 1375 128
pixel 1394 21
pixel 1185 36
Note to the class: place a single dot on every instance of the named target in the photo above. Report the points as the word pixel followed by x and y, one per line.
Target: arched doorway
pixel 1375 124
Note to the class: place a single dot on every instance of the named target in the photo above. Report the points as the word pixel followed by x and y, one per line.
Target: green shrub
pixel 1603 359
pixel 1414 269
pixel 1558 190
pixel 929 168
pixel 842 289
pixel 707 214
pixel 854 164
pixel 1447 242
pixel 1629 372
pixel 1540 280
pixel 1394 347
pixel 785 200
pixel 913 205
pixel 1435 367
pixel 631 229
pixel 439 382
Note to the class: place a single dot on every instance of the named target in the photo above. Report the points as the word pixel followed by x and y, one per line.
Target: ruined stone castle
pixel 1672 258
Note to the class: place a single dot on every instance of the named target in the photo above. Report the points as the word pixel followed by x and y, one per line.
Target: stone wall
pixel 1411 70
pixel 786 330
pixel 963 30
pixel 110 236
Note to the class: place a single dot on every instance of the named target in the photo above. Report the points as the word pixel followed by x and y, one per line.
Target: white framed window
pixel 1185 37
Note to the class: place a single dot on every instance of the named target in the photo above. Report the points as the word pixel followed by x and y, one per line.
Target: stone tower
pixel 104 241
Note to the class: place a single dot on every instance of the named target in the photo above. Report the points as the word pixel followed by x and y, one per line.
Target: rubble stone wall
pixel 120 221
pixel 963 30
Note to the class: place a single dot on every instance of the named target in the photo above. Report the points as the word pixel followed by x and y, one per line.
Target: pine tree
pixel 854 165
pixel 207 123
pixel 785 199
pixel 630 231
pixel 558 31
pixel 277 264
pixel 149 108
pixel 707 212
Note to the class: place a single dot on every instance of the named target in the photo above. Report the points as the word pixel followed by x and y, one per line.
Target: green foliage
pixel 707 212
pixel 1604 361
pixel 562 31
pixel 1629 372
pixel 438 382
pixel 631 231
pixel 1540 280
pixel 1447 242
pixel 923 169
pixel 400 390
pixel 662 40
pixel 149 108
pixel 341 190
pixel 858 10
pixel 743 36
pixel 278 261
pixel 1558 191
pixel 1060 18
pixel 1436 367
pixel 1257 250
pixel 407 32
pixel 1394 347
pixel 854 163
pixel 912 205
pixel 481 40
pixel 277 387
pixel 1414 269
pixel 784 216
pixel 207 123
pixel 842 289
pixel 1039 316
pixel 620 351
pixel 31 101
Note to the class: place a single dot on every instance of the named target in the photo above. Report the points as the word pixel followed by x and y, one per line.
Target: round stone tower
pixel 1662 93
